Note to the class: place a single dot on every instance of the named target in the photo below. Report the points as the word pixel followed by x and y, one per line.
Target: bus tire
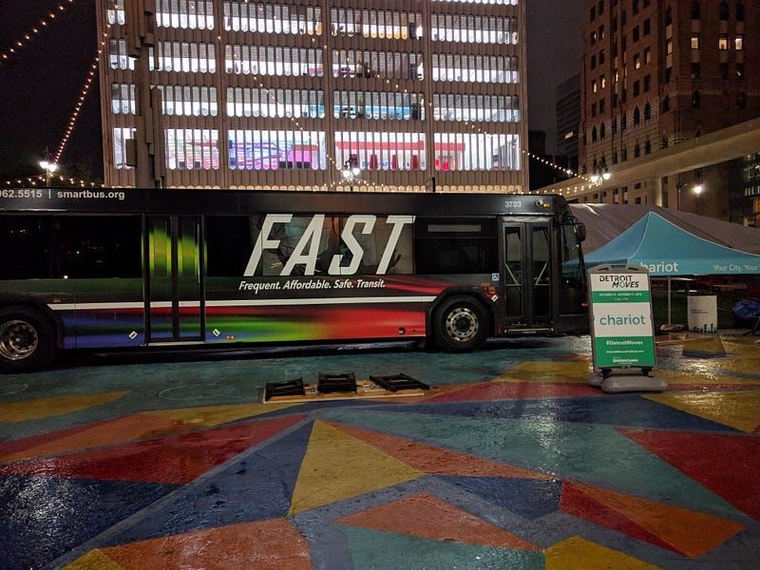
pixel 27 340
pixel 460 324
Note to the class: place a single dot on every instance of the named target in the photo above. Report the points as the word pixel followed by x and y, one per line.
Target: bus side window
pixel 229 241
pixel 25 248
pixel 97 246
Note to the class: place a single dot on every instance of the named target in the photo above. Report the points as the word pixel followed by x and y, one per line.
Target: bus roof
pixel 232 202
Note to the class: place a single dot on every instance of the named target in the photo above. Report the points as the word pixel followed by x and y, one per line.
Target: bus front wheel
pixel 461 324
pixel 27 340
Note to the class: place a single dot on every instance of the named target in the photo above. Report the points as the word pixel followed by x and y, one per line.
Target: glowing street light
pixel 350 173
pixel 49 166
pixel 600 177
pixel 697 189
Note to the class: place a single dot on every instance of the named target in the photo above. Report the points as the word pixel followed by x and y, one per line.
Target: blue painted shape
pixel 42 518
pixel 378 550
pixel 597 455
pixel 629 410
pixel 528 498
pixel 256 487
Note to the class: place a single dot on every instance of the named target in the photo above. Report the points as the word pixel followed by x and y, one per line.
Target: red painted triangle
pixel 427 516
pixel 576 502
pixel 176 459
pixel 728 465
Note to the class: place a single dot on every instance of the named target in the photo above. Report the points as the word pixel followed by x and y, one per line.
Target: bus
pixel 119 268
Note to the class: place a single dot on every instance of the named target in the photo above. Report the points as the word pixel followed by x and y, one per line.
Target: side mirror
pixel 580 231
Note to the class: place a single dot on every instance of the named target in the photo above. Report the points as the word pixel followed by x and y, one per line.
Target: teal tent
pixel 667 250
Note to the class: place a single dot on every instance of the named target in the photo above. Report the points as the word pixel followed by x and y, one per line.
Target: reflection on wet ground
pixel 509 460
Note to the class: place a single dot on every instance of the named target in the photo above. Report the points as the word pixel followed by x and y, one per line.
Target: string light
pixel 78 107
pixel 42 179
pixel 35 31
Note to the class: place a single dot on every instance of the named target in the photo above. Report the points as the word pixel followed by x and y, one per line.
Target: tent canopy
pixel 604 222
pixel 667 250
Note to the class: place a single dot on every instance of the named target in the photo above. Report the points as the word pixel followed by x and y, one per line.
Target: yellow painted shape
pixel 566 372
pixel 745 356
pixel 55 406
pixel 689 532
pixel 209 416
pixel 711 346
pixel 93 560
pixel 739 410
pixel 337 466
pixel 576 553
pixel 708 374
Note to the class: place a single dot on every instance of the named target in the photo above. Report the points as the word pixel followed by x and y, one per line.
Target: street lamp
pixel 49 166
pixel 600 177
pixel 697 189
pixel 350 173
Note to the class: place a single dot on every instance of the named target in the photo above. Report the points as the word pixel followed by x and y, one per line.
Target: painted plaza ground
pixel 509 460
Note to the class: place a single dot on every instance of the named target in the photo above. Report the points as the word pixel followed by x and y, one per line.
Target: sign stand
pixel 622 329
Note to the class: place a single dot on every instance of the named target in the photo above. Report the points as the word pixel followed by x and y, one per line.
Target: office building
pixel 659 74
pixel 414 95
pixel 569 118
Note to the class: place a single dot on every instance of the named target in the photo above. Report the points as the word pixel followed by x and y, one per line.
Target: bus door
pixel 174 301
pixel 526 275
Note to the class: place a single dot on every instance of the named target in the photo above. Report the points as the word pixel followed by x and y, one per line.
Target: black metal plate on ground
pixel 397 382
pixel 286 388
pixel 329 383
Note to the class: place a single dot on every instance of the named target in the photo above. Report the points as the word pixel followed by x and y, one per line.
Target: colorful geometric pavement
pixel 529 468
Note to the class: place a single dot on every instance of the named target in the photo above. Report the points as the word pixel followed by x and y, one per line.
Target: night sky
pixel 41 83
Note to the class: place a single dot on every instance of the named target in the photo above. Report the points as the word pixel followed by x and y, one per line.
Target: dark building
pixel 569 117
pixel 657 74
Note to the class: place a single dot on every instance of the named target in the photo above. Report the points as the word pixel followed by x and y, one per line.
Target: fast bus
pixel 118 268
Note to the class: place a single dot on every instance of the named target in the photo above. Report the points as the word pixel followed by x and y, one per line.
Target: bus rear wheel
pixel 27 340
pixel 460 325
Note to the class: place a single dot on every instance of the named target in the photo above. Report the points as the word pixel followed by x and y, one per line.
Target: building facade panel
pixel 418 95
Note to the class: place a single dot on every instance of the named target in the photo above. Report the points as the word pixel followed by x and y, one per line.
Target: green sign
pixel 622 328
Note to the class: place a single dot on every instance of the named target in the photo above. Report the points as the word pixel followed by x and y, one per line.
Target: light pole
pixel 698 191
pixel 350 173
pixel 698 188
pixel 49 166
pixel 599 177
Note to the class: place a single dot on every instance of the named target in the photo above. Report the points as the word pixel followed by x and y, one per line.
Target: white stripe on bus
pixel 243 303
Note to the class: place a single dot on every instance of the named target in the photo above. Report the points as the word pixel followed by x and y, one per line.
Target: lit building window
pixel 273 150
pixel 189 100
pixel 387 150
pixel 262 102
pixel 192 149
pixel 273 60
pixel 462 107
pixel 120 137
pixel 186 57
pixel 272 18
pixel 117 55
pixel 378 105
pixel 189 14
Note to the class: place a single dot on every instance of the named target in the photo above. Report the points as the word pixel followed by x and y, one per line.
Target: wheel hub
pixel 462 325
pixel 18 339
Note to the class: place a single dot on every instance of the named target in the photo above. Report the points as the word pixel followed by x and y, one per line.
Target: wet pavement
pixel 509 460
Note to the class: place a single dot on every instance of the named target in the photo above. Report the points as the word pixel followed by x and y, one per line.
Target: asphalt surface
pixel 510 459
